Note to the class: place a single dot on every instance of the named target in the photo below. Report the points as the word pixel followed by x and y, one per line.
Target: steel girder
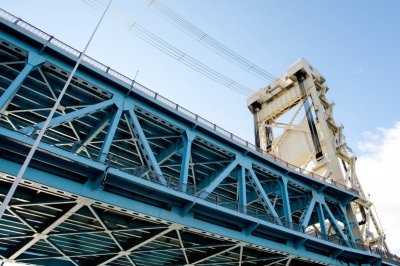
pixel 124 178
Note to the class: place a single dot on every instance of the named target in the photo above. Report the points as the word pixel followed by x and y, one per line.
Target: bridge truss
pixel 123 176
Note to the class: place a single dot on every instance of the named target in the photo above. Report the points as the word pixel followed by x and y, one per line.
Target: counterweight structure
pixel 293 121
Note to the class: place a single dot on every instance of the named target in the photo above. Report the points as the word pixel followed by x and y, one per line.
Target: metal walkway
pixel 126 177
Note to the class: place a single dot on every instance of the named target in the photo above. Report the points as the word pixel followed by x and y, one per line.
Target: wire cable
pixel 165 47
pixel 209 41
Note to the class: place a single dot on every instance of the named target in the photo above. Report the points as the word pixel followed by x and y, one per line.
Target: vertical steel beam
pixel 105 148
pixel 285 199
pixel 145 147
pixel 242 191
pixel 34 61
pixel 188 138
pixel 321 218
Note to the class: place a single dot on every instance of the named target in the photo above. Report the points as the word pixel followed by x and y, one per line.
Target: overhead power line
pixel 152 39
pixel 209 41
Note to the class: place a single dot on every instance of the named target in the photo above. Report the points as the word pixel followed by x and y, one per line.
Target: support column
pixel 34 61
pixel 285 200
pixel 242 189
pixel 188 138
pixel 328 139
pixel 110 133
pixel 321 218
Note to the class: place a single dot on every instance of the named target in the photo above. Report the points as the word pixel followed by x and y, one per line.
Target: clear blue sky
pixel 354 44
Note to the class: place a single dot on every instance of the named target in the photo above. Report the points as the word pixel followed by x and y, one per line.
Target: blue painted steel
pixel 34 61
pixel 93 134
pixel 188 138
pixel 155 161
pixel 242 188
pixel 209 186
pixel 333 222
pixel 345 219
pixel 51 149
pixel 321 218
pixel 98 194
pixel 305 218
pixel 285 199
pixel 145 147
pixel 76 114
pixel 263 196
pixel 110 134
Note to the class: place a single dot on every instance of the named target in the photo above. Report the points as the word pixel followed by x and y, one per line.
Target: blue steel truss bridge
pixel 123 176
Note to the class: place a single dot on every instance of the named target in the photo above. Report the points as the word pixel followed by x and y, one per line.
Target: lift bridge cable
pixel 28 159
pixel 208 41
pixel 169 49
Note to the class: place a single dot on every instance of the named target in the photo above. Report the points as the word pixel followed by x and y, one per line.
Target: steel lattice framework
pixel 123 176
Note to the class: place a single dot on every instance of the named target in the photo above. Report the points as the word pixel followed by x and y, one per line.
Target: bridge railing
pixel 258 213
pixel 48 39
pixel 386 255
pixel 219 200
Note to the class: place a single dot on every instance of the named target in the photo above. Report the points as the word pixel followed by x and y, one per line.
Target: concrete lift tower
pixel 293 120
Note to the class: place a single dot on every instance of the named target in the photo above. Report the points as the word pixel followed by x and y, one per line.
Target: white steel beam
pixel 182 246
pixel 145 242
pixel 44 234
pixel 216 254
pixel 106 230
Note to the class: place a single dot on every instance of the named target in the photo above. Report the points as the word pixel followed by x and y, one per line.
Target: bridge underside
pixel 82 231
pixel 125 176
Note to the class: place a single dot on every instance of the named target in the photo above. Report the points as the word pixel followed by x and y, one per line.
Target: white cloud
pixel 378 171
